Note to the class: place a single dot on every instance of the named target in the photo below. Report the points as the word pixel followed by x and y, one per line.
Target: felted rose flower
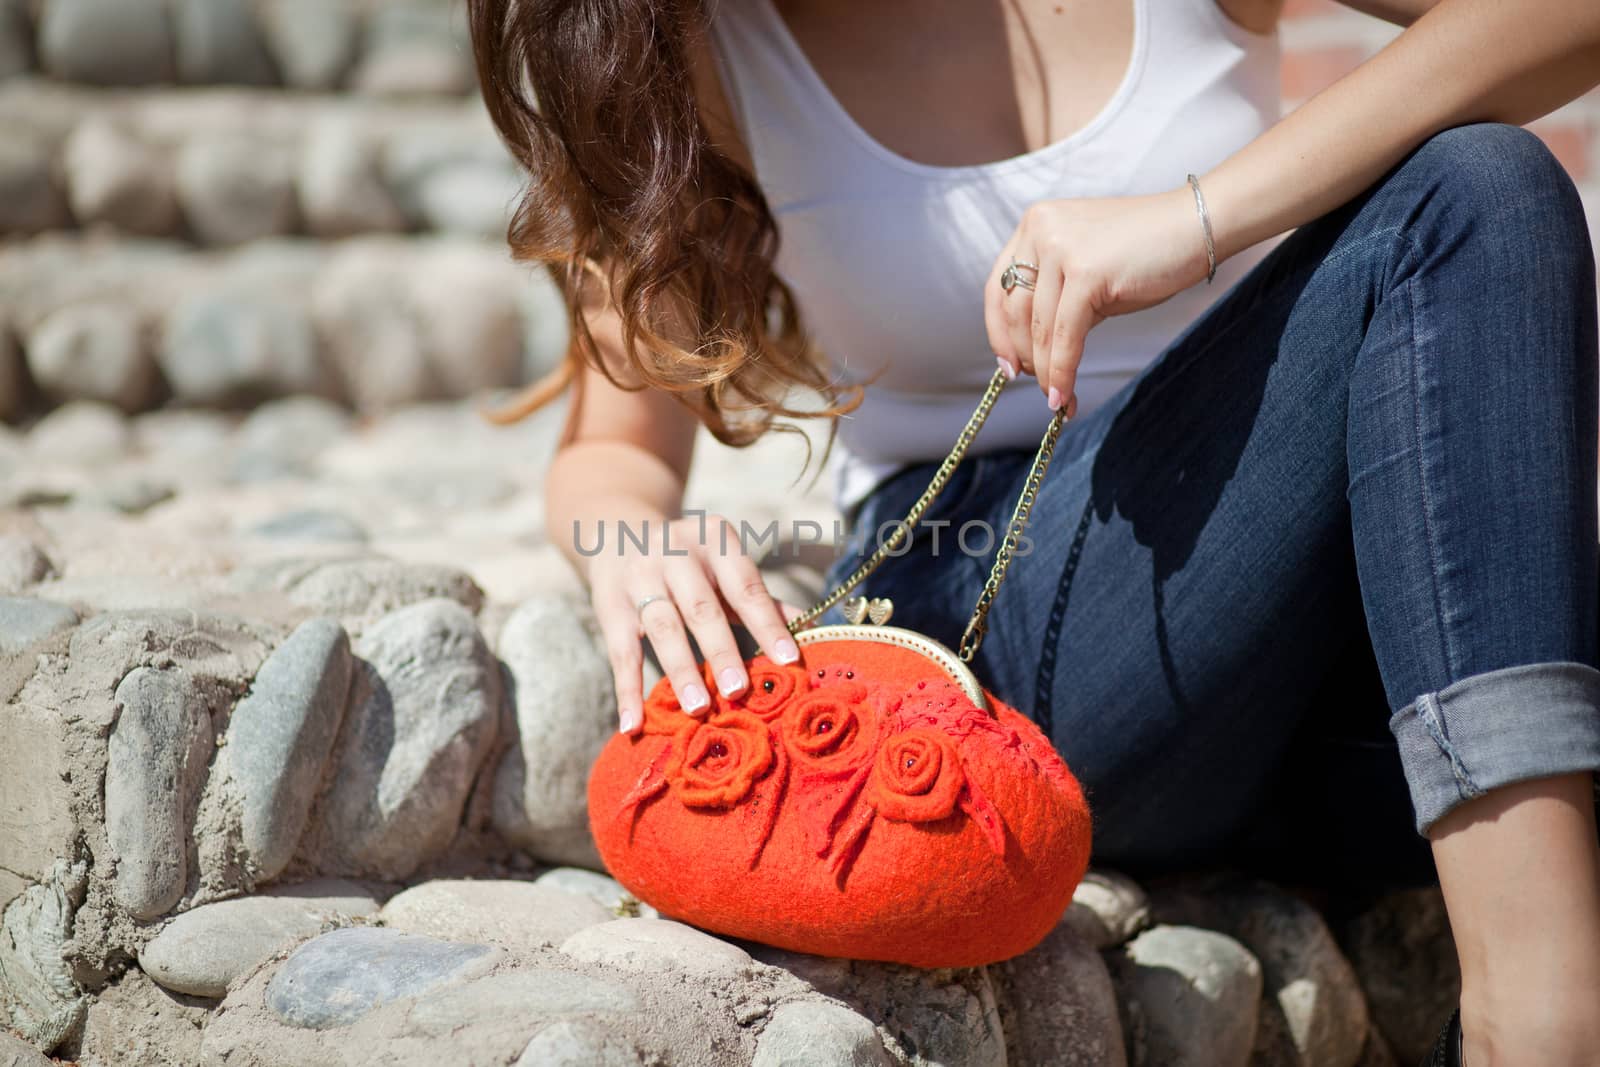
pixel 831 730
pixel 662 712
pixel 716 761
pixel 917 776
pixel 772 687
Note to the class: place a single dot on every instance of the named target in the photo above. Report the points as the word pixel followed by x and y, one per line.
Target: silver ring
pixel 646 602
pixel 1010 279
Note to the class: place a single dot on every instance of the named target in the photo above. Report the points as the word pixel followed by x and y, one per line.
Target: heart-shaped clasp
pixel 858 608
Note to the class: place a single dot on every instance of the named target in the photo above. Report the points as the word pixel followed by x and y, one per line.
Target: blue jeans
pixel 1328 567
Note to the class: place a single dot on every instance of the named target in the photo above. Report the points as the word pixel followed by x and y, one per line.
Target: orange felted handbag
pixel 871 802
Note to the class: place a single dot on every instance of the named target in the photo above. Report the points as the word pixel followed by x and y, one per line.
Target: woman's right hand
pixel 693 579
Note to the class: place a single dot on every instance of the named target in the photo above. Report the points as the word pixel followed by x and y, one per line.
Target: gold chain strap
pixel 972 637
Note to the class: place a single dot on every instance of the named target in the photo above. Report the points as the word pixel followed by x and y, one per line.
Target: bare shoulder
pixel 1257 16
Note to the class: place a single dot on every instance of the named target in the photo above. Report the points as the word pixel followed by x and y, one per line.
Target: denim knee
pixel 1503 184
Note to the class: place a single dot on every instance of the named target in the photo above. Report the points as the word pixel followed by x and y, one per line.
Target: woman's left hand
pixel 1096 258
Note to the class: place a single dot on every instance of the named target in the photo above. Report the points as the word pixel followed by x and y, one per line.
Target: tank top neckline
pixel 814 82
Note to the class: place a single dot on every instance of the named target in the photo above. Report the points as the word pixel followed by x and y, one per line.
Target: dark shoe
pixel 1447 1050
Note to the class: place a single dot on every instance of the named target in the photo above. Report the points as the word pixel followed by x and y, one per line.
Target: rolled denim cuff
pixel 1496 728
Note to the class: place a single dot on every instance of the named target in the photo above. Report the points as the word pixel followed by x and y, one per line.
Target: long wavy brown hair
pixel 630 199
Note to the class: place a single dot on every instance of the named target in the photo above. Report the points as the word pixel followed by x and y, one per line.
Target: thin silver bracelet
pixel 1205 224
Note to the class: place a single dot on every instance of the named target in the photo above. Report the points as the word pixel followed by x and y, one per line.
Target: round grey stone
pixel 521 916
pixel 1404 956
pixel 817 1033
pixel 601 887
pixel 219 43
pixel 107 42
pixel 1057 1004
pixel 224 347
pixel 580 1043
pixel 471 197
pixel 93 351
pixel 341 193
pixel 279 738
pixel 374 339
pixel 1108 909
pixel 312 41
pixel 203 950
pixel 413 50
pixel 235 189
pixel 657 945
pixel 1191 998
pixel 26 623
pixel 284 437
pixel 341 976
pixel 945 1016
pixel 431 167
pixel 83 432
pixel 565 713
pixel 155 765
pixel 423 712
pixel 22 563
pixel 1313 1013
pixel 467 302
pixel 361 586
pixel 115 178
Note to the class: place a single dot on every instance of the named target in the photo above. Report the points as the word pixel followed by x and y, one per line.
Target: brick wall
pixel 1323 40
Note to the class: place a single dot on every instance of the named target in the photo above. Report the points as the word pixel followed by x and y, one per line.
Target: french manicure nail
pixel 730 680
pixel 1055 399
pixel 1011 375
pixel 786 651
pixel 630 720
pixel 694 698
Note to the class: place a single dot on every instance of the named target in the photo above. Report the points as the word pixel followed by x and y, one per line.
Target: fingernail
pixel 1055 399
pixel 630 720
pixel 694 698
pixel 786 651
pixel 1011 375
pixel 730 680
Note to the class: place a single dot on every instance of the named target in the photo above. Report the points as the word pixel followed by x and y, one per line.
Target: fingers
pixel 620 631
pixel 1074 318
pixel 740 581
pixel 1042 316
pixel 699 606
pixel 995 321
pixel 663 628
pixel 1019 304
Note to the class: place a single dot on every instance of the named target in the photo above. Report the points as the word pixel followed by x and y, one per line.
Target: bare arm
pixel 625 454
pixel 1399 12
pixel 622 465
pixel 1461 61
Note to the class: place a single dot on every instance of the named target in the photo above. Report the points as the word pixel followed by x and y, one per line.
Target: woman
pixel 1369 442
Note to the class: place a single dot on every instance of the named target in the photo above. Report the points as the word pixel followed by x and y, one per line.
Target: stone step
pixel 371 322
pixel 226 166
pixel 402 48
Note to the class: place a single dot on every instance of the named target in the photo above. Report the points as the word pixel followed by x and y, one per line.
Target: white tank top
pixel 887 257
